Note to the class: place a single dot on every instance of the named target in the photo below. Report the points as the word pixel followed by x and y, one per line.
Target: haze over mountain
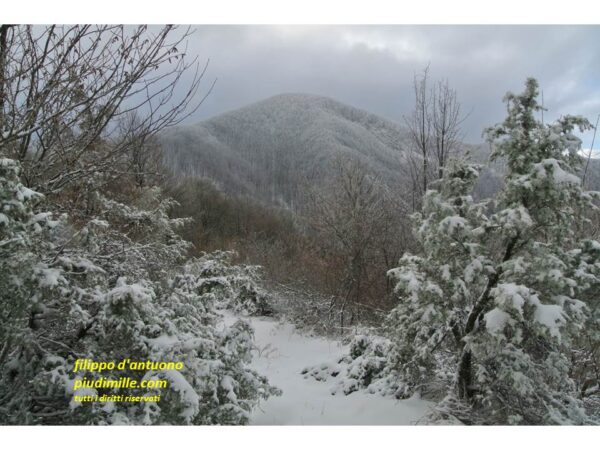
pixel 275 149
pixel 272 148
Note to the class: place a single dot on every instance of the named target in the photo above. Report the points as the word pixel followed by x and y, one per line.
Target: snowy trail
pixel 283 353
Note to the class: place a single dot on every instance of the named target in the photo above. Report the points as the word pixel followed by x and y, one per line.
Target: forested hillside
pixel 273 150
pixel 276 150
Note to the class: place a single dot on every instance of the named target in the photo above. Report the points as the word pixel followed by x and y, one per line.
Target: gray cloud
pixel 372 67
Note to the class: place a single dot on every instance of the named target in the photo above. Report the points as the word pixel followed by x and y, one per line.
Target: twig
pixel 590 153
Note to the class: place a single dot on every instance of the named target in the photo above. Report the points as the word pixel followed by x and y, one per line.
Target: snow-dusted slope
pixel 275 149
pixel 283 353
pixel 272 149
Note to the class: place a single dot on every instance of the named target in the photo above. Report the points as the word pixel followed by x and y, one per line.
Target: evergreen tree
pixel 437 287
pixel 500 297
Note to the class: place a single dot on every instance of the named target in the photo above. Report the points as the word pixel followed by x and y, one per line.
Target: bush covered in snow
pixel 92 264
pixel 238 286
pixel 364 367
pixel 118 287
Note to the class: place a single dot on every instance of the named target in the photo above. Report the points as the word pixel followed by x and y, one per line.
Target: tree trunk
pixel 465 375
pixel 425 168
pixel 3 51
pixel 465 379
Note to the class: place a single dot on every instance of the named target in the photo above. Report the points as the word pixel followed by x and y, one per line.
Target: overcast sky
pixel 372 67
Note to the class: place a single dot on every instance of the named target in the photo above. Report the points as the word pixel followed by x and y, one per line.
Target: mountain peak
pixel 280 143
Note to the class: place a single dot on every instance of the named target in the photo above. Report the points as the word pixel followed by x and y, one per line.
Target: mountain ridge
pixel 275 149
pixel 271 148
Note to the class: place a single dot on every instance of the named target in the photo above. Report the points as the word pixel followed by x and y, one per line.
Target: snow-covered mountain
pixel 273 149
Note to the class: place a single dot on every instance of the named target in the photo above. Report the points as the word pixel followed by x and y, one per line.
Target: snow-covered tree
pixel 118 287
pixel 20 271
pixel 437 287
pixel 499 298
pixel 532 306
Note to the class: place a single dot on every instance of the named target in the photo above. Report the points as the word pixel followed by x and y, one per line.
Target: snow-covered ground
pixel 282 354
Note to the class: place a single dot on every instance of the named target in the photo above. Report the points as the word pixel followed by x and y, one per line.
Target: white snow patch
pixel 511 294
pixel 163 342
pixel 49 277
pixel 550 316
pixel 227 384
pixel 496 320
pixel 136 291
pixel 552 167
pixel 282 353
pixel 453 224
pixel 186 392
